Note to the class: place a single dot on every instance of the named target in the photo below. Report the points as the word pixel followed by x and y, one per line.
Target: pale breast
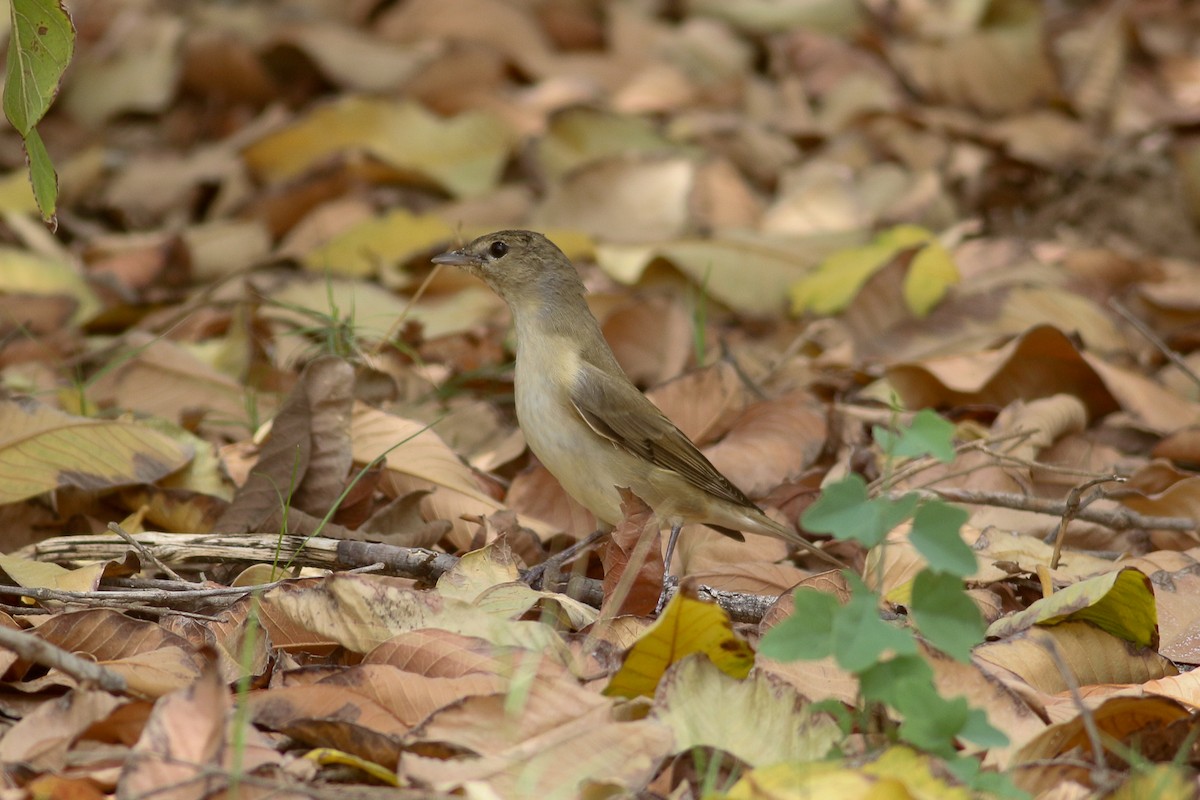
pixel 556 433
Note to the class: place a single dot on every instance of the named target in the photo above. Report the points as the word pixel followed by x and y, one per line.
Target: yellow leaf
pixel 916 772
pixel 687 625
pixel 1120 602
pixel 389 239
pixel 840 277
pixel 835 283
pixel 748 273
pixel 463 155
pixel 930 274
pixel 328 755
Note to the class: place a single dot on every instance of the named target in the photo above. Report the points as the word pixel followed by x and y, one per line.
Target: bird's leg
pixel 675 529
pixel 535 576
pixel 674 538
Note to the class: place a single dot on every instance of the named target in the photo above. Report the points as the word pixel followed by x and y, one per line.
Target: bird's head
pixel 518 265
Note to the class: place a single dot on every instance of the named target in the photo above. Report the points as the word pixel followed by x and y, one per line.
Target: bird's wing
pixel 616 410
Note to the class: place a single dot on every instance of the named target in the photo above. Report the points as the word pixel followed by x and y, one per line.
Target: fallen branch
pixel 33 648
pixel 200 550
pixel 1120 519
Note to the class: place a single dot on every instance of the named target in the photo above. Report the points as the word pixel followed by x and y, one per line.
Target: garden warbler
pixel 582 416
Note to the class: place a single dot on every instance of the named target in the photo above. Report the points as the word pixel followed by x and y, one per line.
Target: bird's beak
pixel 458 258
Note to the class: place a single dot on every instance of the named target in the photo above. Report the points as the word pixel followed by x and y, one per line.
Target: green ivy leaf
pixel 806 634
pixel 860 636
pixel 928 435
pixel 978 730
pixel 931 722
pixel 844 510
pixel 945 614
pixel 936 533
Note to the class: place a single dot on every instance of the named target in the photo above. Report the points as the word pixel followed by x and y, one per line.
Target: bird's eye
pixel 498 249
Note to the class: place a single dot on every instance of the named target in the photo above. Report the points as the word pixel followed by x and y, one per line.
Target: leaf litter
pixel 798 228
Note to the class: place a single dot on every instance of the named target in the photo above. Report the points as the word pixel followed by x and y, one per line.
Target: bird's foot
pixel 536 577
pixel 669 588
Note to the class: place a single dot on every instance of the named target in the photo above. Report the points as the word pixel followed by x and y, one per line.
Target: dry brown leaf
pixel 760 720
pixel 439 653
pixel 623 200
pixel 185 735
pixel 41 739
pixel 1007 710
pixel 356 60
pixel 1119 718
pixel 770 442
pixel 704 403
pixel 140 75
pixel 619 554
pixel 652 338
pixel 562 736
pixel 1090 655
pixel 997 68
pixel 163 379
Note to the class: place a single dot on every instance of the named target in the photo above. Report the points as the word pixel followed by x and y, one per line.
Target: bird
pixel 582 416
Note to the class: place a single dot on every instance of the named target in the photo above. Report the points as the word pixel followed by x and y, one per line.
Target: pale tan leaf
pixel 42 738
pixel 463 155
pixel 42 449
pixel 561 736
pixel 622 200
pixel 759 720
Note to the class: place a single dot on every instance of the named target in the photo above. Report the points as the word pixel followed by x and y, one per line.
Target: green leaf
pixel 945 614
pixel 978 730
pixel 927 435
pixel 41 175
pixel 860 636
pixel 891 682
pixel 931 722
pixel 38 53
pixel 844 510
pixel 936 533
pixel 808 633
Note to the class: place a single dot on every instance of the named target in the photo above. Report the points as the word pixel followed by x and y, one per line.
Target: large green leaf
pixel 41 46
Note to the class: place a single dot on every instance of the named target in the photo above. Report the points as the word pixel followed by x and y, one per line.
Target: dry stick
pixel 924 464
pixel 1089 721
pixel 1121 519
pixel 1153 338
pixel 125 597
pixel 39 651
pixel 146 554
pixel 334 554
pixel 1075 504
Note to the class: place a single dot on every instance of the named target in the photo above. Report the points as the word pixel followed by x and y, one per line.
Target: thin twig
pixel 1076 503
pixel 39 651
pixel 1085 713
pixel 334 554
pixel 146 554
pixel 1154 339
pixel 924 464
pixel 1121 519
